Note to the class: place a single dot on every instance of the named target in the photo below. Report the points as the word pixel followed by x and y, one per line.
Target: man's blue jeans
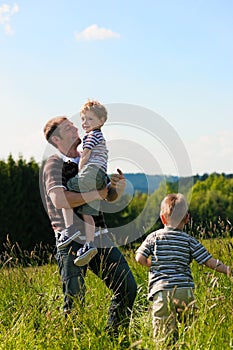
pixel 109 265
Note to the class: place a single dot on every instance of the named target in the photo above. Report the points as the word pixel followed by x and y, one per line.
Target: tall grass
pixel 31 315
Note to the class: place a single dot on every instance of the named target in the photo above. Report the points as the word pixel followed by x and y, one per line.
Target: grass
pixel 31 315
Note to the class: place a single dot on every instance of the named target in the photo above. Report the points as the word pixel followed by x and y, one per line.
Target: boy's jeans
pixel 109 265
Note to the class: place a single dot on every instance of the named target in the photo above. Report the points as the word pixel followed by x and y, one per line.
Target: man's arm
pixel 62 198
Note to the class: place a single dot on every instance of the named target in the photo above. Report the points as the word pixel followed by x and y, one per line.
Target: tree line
pixel 25 221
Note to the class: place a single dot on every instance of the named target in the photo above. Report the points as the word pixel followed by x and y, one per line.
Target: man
pixel 109 264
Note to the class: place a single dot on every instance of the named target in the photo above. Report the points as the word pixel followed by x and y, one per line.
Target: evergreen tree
pixel 23 217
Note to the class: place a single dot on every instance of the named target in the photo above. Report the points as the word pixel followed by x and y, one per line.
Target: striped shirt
pixel 172 252
pixel 95 141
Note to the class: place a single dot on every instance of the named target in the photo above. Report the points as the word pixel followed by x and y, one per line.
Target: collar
pixel 170 228
pixel 67 159
pixel 93 130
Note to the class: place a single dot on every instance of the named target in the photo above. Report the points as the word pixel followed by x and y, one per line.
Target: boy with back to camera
pixel 170 280
pixel 91 176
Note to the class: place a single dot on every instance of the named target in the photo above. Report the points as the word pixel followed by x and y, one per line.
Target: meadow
pixel 31 316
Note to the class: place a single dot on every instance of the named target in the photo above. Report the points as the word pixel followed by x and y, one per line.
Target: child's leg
pixel 184 302
pixel 163 315
pixel 89 227
pixel 88 251
pixel 68 216
pixel 70 232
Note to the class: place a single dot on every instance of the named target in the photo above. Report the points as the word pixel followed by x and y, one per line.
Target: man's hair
pixel 52 128
pixel 96 107
pixel 174 208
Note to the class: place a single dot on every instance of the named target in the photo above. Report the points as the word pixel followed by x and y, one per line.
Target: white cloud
pixel 94 32
pixel 212 153
pixel 6 12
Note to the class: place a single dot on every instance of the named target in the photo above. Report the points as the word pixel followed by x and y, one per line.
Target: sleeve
pixel 53 175
pixel 199 252
pixel 145 248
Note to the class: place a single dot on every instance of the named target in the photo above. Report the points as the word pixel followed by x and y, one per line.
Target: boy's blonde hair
pixel 96 107
pixel 174 208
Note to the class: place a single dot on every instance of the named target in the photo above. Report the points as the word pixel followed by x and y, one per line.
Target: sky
pixel 163 68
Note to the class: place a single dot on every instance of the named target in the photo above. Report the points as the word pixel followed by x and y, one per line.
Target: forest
pixel 24 221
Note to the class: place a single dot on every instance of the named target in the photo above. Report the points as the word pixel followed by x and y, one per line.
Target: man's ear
pixel 55 139
pixel 162 217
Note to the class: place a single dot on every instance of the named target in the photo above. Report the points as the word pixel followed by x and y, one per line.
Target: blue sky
pixel 172 57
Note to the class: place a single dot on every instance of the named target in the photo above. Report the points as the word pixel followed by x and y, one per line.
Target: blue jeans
pixel 109 265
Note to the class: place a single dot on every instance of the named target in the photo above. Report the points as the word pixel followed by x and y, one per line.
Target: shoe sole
pixel 68 241
pixel 86 257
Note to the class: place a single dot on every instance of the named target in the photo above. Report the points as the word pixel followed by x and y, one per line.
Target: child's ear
pixel 102 120
pixel 163 219
pixel 186 218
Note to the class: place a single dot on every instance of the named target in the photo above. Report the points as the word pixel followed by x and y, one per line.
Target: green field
pixel 31 315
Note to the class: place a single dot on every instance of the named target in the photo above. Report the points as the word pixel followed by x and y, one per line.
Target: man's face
pixel 68 135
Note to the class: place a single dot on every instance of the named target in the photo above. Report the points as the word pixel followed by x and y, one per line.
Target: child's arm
pixel 141 259
pixel 84 157
pixel 218 266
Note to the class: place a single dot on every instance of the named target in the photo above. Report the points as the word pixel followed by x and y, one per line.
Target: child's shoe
pixel 85 254
pixel 67 236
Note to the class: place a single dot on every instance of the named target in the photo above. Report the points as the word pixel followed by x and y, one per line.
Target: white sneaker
pixel 85 254
pixel 67 236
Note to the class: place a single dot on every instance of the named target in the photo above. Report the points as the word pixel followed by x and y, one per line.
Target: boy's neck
pixel 94 129
pixel 179 227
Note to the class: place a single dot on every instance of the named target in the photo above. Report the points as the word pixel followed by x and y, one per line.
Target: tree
pixel 212 200
pixel 23 216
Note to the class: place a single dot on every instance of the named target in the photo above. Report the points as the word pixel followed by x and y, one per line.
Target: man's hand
pixel 117 186
pixel 118 180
